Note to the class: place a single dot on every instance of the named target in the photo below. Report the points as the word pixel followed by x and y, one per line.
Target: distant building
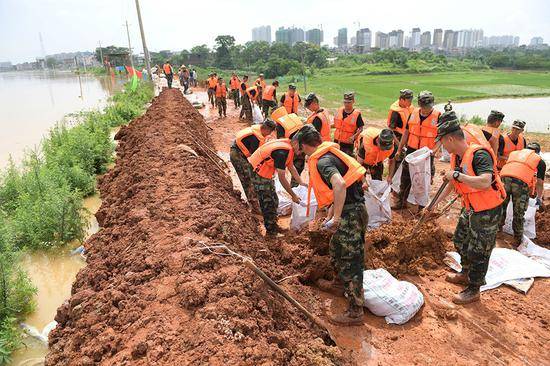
pixel 363 40
pixel 448 39
pixel 469 38
pixel 314 36
pixel 342 38
pixel 415 38
pixel 262 33
pixel 426 39
pixel 535 41
pixel 353 41
pixel 501 41
pixel 381 40
pixel 6 66
pixel 395 39
pixel 438 38
pixel 289 36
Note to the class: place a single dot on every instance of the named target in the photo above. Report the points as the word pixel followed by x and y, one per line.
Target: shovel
pixel 429 207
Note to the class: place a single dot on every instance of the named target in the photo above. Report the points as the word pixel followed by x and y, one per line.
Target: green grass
pixel 375 93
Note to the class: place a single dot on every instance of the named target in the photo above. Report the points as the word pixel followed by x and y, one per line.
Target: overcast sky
pixel 73 25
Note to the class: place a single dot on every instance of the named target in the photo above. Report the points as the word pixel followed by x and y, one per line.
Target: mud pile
pixel 395 248
pixel 150 295
pixel 543 227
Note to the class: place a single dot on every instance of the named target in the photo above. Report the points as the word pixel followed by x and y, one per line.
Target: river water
pixel 32 102
pixel 534 111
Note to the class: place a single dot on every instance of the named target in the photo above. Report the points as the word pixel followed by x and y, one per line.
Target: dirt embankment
pixel 149 295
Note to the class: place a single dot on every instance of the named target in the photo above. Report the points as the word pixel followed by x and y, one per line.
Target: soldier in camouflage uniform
pixel 474 176
pixel 347 220
pixel 518 192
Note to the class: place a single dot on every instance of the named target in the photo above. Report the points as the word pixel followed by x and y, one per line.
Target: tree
pixel 51 62
pixel 200 54
pixel 224 44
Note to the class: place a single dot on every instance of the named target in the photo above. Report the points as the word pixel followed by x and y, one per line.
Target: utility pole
pixel 101 55
pixel 129 46
pixel 145 49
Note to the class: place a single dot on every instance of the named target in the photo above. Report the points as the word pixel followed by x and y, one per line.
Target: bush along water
pixel 41 200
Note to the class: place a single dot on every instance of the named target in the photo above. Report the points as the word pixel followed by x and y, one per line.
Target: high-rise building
pixel 438 38
pixel 536 41
pixel 425 39
pixel 501 41
pixel 342 38
pixel 363 40
pixel 289 36
pixel 469 38
pixel 381 40
pixel 395 39
pixel 353 41
pixel 262 33
pixel 448 39
pixel 314 36
pixel 415 38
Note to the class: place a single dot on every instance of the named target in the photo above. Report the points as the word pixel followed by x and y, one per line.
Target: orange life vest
pixel 290 123
pixel 235 83
pixel 474 135
pixel 473 198
pixel 404 112
pixel 167 69
pixel 522 164
pixel 268 92
pixel 291 103
pixel 345 127
pixel 221 91
pixel 261 160
pixel 494 131
pixel 255 130
pixel 325 123
pixel 248 92
pixel 373 153
pixel 323 194
pixel 422 134
pixel 509 146
pixel 260 82
pixel 212 82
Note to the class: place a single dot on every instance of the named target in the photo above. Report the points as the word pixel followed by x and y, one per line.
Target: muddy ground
pixel 152 295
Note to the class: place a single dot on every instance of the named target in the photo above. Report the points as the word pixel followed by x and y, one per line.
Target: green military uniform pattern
pixel 246 110
pixel 244 171
pixel 221 102
pixel 474 239
pixel 299 162
pixel 267 196
pixel 267 106
pixel 347 254
pixel 236 98
pixel 518 192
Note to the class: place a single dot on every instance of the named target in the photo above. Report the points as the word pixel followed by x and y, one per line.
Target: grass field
pixel 375 93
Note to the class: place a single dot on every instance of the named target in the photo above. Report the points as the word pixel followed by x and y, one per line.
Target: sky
pixel 78 25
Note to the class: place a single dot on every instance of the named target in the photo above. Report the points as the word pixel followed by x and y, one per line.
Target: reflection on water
pixel 53 275
pixel 534 111
pixel 32 102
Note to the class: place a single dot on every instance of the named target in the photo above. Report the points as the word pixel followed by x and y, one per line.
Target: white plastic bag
pixel 378 202
pixel 257 117
pixel 535 252
pixel 419 169
pixel 299 217
pixel 285 202
pixel 529 227
pixel 396 180
pixel 397 301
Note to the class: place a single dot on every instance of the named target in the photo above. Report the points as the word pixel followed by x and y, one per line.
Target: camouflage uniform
pixel 221 102
pixel 267 196
pixel 347 251
pixel 519 192
pixel 376 171
pixel 244 171
pixel 299 163
pixel 246 110
pixel 236 98
pixel 474 239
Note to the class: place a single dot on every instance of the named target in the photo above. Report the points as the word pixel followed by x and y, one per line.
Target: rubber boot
pixel 460 278
pixel 352 316
pixel 468 295
pixel 334 287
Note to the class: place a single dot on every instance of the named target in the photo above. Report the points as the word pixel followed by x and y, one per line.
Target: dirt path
pixel 506 328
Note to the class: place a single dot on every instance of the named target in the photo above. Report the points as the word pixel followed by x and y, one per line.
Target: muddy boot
pixel 468 295
pixel 334 287
pixel 352 316
pixel 460 278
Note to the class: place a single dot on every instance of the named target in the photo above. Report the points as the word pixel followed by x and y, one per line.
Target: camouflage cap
pixel 406 94
pixel 448 122
pixel 496 115
pixel 310 98
pixel 349 97
pixel 535 146
pixel 385 139
pixel 261 75
pixel 519 124
pixel 425 98
pixel 292 86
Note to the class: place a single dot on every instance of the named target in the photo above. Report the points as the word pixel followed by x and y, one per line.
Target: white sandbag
pixel 299 217
pixel 257 117
pixel 378 202
pixel 285 202
pixel 529 227
pixel 419 169
pixel 396 180
pixel 535 252
pixel 397 301
pixel 504 265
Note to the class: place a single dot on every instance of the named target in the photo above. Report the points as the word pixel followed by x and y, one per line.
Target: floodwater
pixel 53 275
pixel 32 102
pixel 534 111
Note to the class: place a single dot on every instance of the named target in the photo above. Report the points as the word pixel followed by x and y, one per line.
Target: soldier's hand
pixel 448 175
pixel 401 155
pixel 331 224
pixel 295 198
pixel 365 186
